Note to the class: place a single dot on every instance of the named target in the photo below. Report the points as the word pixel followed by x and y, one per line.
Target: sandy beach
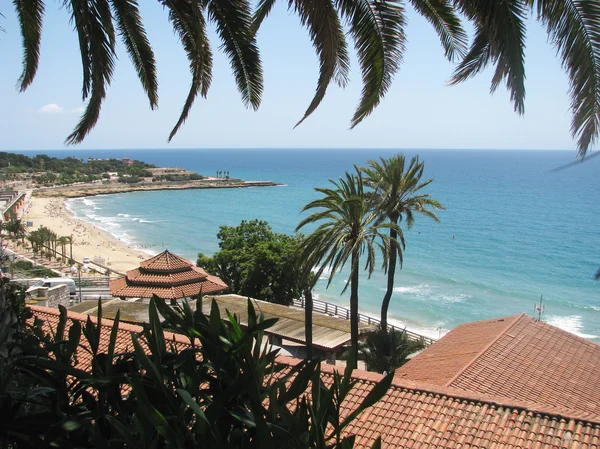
pixel 88 241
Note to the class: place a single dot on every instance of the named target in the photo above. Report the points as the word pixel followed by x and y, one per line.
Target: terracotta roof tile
pixel 165 261
pixel 444 359
pixel 121 289
pixel 515 357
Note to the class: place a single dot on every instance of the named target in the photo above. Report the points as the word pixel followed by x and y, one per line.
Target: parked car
pixel 86 260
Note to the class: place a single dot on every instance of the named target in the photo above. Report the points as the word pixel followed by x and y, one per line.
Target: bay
pixel 514 229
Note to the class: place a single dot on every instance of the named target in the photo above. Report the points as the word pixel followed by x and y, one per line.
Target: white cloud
pixel 54 108
pixel 51 108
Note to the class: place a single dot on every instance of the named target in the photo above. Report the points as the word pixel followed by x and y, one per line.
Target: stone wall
pixel 58 295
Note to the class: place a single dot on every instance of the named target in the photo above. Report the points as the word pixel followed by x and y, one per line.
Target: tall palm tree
pixel 397 197
pixel 347 229
pixel 70 241
pixel 377 29
pixel 62 241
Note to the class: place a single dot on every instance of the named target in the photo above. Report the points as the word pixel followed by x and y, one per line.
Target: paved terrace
pixel 329 333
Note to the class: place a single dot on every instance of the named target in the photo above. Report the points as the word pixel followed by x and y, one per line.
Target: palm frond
pixel 233 20
pixel 476 59
pixel 327 35
pixel 347 226
pixel 97 37
pixel 80 14
pixel 442 16
pixel 131 29
pixel 574 29
pixel 500 39
pixel 189 24
pixel 263 9
pixel 377 27
pixel 30 14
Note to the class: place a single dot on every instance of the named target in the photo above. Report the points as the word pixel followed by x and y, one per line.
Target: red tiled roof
pixel 50 317
pixel 440 362
pixel 137 277
pixel 165 261
pixel 419 416
pixel 522 359
pixel 120 289
pixel 168 276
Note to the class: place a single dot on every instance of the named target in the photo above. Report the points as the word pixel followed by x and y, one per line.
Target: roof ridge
pixel 464 368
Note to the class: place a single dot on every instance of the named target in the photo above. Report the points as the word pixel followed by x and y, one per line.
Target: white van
pixel 53 282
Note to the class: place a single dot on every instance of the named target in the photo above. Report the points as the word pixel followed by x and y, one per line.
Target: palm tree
pixel 308 280
pixel 18 229
pixel 348 229
pixel 35 239
pixel 397 197
pixel 377 29
pixel 62 241
pixel 70 241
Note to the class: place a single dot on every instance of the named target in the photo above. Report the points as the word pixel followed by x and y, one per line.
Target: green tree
pixel 377 28
pixel 348 228
pixel 384 352
pixel 15 227
pixel 254 261
pixel 397 197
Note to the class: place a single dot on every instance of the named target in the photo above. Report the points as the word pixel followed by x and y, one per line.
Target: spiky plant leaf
pixel 233 20
pixel 443 18
pixel 263 9
pixel 574 29
pixel 30 14
pixel 93 22
pixel 131 29
pixel 378 30
pixel 189 24
pixel 500 40
pixel 327 35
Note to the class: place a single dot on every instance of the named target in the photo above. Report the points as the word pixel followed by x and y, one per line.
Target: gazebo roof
pixel 166 262
pixel 168 276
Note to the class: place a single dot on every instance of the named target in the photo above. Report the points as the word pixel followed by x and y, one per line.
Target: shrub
pixel 387 351
pixel 226 389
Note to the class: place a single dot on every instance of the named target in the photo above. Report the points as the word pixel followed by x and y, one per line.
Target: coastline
pixel 83 190
pixel 88 240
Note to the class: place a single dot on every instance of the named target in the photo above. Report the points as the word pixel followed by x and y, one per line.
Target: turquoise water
pixel 520 230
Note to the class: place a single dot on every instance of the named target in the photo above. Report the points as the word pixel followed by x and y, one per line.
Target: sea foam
pixel 570 323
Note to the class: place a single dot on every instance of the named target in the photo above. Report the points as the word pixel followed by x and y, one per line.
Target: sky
pixel 419 111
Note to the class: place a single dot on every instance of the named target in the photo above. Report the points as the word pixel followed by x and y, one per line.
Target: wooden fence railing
pixel 343 312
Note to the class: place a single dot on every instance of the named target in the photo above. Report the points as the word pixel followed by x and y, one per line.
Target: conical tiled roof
pixel 168 276
pixel 165 262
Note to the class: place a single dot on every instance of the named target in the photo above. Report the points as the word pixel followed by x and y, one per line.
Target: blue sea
pixel 514 229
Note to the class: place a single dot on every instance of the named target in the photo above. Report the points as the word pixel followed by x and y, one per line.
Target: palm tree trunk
pixel 385 304
pixel 308 312
pixel 354 308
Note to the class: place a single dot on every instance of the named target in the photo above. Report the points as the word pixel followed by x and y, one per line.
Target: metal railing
pixel 344 313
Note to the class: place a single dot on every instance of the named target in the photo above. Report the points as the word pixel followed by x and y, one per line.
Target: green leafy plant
pixel 384 352
pixel 217 386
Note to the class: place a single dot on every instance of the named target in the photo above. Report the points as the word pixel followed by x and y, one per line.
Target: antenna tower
pixel 539 309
